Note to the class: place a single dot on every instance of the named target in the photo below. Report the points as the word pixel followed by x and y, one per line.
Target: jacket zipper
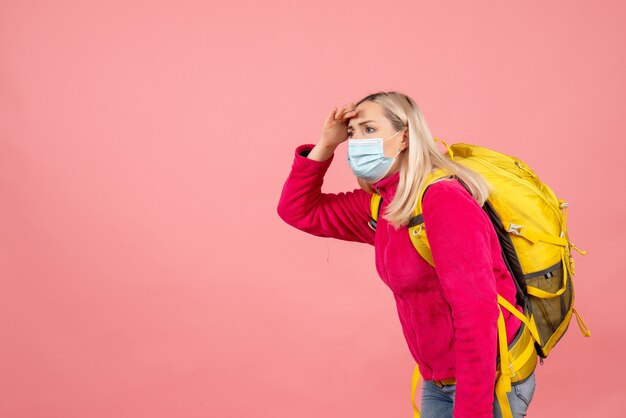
pixel 421 359
pixel 417 353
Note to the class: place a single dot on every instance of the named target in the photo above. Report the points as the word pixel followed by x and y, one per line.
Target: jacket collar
pixel 387 186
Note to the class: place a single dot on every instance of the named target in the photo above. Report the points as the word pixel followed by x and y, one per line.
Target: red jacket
pixel 448 314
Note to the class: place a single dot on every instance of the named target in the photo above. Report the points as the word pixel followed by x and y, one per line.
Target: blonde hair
pixel 420 158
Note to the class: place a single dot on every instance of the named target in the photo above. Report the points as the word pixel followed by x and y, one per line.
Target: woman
pixel 448 313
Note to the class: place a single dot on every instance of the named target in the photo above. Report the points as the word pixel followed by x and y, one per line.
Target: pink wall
pixel 143 147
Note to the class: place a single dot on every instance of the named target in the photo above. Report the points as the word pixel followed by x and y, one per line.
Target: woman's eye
pixel 366 131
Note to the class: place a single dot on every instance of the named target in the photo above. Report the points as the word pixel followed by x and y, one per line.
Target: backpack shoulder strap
pixel 376 202
pixel 416 227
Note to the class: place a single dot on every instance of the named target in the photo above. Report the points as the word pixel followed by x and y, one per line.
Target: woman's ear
pixel 404 143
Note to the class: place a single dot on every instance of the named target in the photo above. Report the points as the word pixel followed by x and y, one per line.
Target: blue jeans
pixel 439 402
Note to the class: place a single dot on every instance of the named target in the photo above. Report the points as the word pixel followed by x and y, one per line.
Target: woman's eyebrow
pixel 362 123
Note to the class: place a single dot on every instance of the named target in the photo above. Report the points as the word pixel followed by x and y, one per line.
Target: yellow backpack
pixel 531 225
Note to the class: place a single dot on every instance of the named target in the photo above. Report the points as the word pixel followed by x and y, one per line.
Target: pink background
pixel 143 148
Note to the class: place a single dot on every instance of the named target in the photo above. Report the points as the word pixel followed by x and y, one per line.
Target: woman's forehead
pixel 369 108
pixel 366 114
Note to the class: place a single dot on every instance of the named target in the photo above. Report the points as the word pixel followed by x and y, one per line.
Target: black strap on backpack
pixel 508 251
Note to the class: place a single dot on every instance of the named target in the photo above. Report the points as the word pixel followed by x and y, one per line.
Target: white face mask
pixel 367 158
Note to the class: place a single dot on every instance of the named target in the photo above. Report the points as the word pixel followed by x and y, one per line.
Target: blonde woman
pixel 448 313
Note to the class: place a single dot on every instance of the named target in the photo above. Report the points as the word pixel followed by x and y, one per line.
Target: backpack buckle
pixel 419 231
pixel 516 229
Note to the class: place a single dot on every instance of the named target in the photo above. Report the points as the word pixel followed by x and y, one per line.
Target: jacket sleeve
pixel 457 231
pixel 302 204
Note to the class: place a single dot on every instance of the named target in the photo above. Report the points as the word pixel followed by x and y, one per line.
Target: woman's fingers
pixel 350 111
pixel 335 127
pixel 350 114
pixel 344 109
pixel 331 115
pixel 340 112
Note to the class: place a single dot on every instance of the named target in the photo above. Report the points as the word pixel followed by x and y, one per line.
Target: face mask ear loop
pixel 399 151
pixel 392 136
pixel 394 157
pixel 388 168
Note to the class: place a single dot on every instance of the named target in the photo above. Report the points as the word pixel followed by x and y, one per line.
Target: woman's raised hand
pixel 335 129
pixel 335 132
